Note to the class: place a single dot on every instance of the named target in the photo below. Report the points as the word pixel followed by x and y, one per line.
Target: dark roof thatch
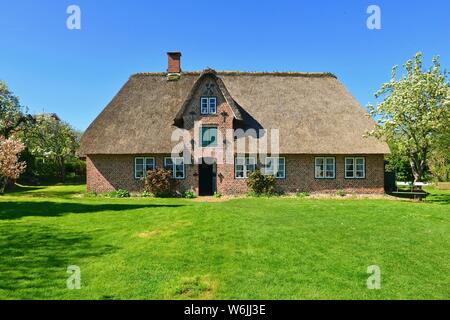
pixel 314 113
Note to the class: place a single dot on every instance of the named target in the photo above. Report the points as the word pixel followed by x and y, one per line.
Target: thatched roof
pixel 314 113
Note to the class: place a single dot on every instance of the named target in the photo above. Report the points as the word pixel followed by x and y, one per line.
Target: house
pixel 306 129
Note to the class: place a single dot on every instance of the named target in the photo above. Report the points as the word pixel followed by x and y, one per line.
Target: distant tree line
pixel 35 149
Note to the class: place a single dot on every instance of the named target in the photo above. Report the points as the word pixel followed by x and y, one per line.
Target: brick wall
pixel 109 172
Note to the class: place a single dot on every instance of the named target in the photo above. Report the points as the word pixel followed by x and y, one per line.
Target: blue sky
pixel 75 73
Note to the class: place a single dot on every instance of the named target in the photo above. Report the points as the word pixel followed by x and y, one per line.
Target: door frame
pixel 213 176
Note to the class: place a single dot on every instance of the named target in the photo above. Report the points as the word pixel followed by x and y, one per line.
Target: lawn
pixel 250 248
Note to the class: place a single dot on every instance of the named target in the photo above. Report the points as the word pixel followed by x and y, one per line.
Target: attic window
pixel 208 105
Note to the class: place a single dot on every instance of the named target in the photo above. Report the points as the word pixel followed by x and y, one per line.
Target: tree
pixel 399 163
pixel 52 139
pixel 415 108
pixel 439 162
pixel 10 167
pixel 11 115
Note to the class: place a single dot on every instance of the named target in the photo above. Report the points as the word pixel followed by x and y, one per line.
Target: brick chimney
pixel 173 62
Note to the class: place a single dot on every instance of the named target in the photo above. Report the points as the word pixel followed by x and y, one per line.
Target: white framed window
pixel 142 165
pixel 275 166
pixel 325 168
pixel 243 166
pixel 208 105
pixel 355 167
pixel 176 166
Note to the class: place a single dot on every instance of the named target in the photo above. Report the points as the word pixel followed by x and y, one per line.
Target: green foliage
pixel 146 194
pixel 399 163
pixel 302 194
pixel 341 193
pixel 52 140
pixel 90 194
pixel 11 115
pixel 188 194
pixel 415 108
pixel 439 161
pixel 217 195
pixel 119 193
pixel 158 182
pixel 260 184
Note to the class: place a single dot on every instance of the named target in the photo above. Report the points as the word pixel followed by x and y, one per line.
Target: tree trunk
pixel 63 169
pixel 416 169
pixel 3 182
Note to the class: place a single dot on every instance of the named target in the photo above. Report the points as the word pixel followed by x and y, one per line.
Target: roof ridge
pixel 237 73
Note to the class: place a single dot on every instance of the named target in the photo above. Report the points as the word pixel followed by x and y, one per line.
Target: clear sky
pixel 75 73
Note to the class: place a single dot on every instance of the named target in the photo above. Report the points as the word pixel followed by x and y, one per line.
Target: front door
pixel 206 179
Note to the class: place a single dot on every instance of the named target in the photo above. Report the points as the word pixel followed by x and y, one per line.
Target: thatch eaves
pixel 314 113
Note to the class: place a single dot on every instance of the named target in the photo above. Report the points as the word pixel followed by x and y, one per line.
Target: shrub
pixel 158 182
pixel 90 194
pixel 119 193
pixel 302 194
pixel 189 194
pixel 217 195
pixel 146 194
pixel 341 193
pixel 260 184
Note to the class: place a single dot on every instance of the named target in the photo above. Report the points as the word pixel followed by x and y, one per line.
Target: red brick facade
pixel 110 172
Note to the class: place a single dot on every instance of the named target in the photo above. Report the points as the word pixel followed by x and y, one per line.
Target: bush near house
pixel 260 184
pixel 159 182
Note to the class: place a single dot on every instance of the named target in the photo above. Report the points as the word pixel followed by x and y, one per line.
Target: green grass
pixel 255 248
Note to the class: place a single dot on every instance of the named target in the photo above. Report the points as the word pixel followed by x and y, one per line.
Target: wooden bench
pixel 415 190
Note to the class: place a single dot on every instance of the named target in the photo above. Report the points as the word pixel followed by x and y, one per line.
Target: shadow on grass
pixel 34 258
pixel 19 209
pixel 54 191
pixel 441 198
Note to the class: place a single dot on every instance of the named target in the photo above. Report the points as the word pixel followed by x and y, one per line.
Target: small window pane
pixel 212 105
pixel 178 168
pixel 204 106
pixel 149 164
pixel 251 165
pixel 168 164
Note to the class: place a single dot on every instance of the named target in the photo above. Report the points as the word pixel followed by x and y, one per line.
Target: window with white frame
pixel 275 166
pixel 355 168
pixel 243 166
pixel 176 166
pixel 142 165
pixel 325 168
pixel 208 105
